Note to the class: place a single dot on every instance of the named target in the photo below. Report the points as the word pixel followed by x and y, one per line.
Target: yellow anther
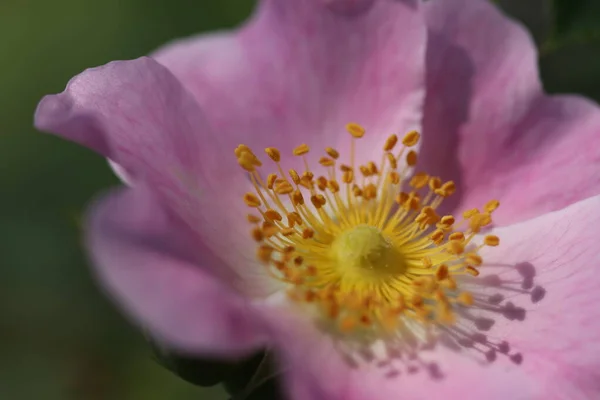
pixel 390 143
pixel 251 200
pixel 476 222
pixel 253 219
pixel 401 198
pixel 392 160
pixel 429 211
pixel 492 205
pixel 333 153
pixel 437 236
pixel 273 153
pixel 355 130
pixel 289 249
pixel 434 183
pixel 370 191
pixel 450 283
pixel 271 178
pixel 326 162
pixel 472 271
pixel 411 158
pixel 447 220
pixel 413 202
pixel 474 259
pixel 294 175
pixel 470 213
pixel 411 138
pixel 257 234
pixel 457 236
pixel 421 219
pixel 306 182
pixel 442 272
pixel 317 200
pixel 264 253
pixel 269 229
pixel 372 168
pixel 455 247
pixel 301 150
pixel 242 148
pixel 447 189
pixel 394 177
pixel 283 188
pixel 419 180
pixel 364 170
pixel 294 219
pixel 345 168
pixel 288 231
pixel 297 198
pixel 492 240
pixel 311 270
pixel 273 215
pixel 333 186
pixel 308 233
pixel 247 161
pixel 485 219
pixel 348 176
pixel 322 183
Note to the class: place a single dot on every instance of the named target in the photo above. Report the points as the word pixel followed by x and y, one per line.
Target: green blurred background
pixel 59 337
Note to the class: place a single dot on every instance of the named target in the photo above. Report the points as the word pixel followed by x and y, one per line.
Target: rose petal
pixel 545 269
pixel 298 72
pixel 148 264
pixel 137 114
pixel 488 124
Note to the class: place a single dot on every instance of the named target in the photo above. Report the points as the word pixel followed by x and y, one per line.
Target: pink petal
pixel 299 71
pixel 548 322
pixel 159 276
pixel 489 126
pixel 137 114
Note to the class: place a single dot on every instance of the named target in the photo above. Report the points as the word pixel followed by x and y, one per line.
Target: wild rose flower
pixel 374 261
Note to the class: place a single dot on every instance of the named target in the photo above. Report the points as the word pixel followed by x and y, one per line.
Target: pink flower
pixel 365 299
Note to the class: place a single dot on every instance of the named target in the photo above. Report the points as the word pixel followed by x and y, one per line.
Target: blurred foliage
pixel 60 338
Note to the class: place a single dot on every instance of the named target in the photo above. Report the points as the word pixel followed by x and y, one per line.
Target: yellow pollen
pixel 390 143
pixel 366 247
pixel 273 153
pixel 355 130
pixel 332 153
pixel 411 138
pixel 411 158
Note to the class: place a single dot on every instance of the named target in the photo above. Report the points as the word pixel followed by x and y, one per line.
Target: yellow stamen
pixel 367 256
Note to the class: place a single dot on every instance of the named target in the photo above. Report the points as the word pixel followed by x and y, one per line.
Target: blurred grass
pixel 59 337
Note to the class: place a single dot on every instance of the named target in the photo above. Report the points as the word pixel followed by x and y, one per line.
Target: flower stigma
pixel 364 245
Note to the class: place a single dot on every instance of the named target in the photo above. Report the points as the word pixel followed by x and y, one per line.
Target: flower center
pixel 365 250
pixel 364 245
